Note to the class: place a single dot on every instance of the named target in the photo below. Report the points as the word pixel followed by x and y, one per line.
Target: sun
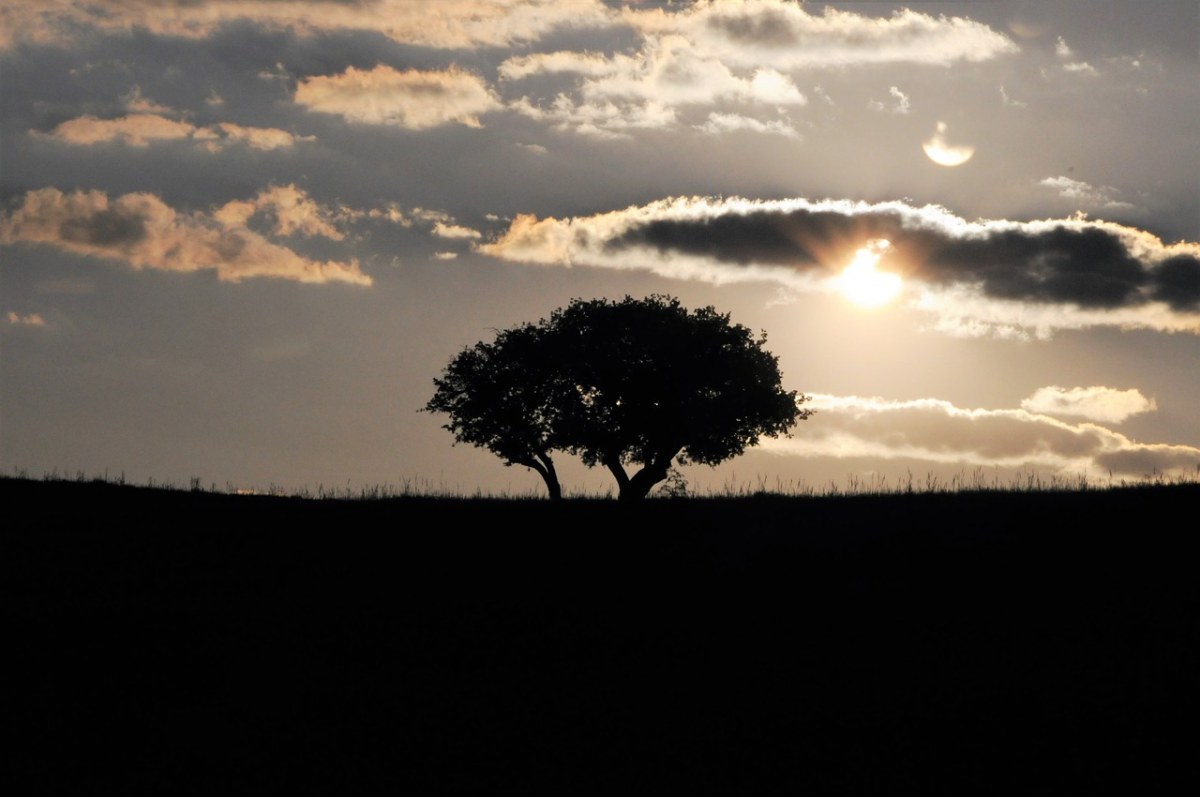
pixel 944 154
pixel 865 285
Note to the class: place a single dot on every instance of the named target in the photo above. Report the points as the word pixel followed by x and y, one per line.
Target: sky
pixel 239 240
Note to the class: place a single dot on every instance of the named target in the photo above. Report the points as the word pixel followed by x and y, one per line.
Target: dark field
pixel 998 642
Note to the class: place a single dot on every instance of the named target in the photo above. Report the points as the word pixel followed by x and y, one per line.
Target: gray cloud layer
pixel 937 431
pixel 1097 272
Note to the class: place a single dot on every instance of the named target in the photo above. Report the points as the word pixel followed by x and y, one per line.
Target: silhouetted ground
pixel 972 643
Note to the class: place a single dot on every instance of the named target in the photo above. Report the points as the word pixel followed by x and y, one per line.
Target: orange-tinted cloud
pixel 15 319
pixel 142 231
pixel 446 23
pixel 143 129
pixel 412 98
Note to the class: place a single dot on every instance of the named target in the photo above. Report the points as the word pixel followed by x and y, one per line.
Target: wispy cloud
pixel 1086 195
pixel 720 123
pixel 448 23
pixel 976 277
pixel 142 231
pixel 938 432
pixel 899 104
pixel 412 98
pixel 143 129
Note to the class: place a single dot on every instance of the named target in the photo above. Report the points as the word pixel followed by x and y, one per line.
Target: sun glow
pixel 943 153
pixel 865 285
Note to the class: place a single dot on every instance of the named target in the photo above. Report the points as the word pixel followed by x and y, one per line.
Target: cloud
pixel 445 255
pixel 901 105
pixel 1009 102
pixel 708 53
pixel 1066 54
pixel 135 102
pixel 1081 68
pixel 604 120
pixel 976 277
pixel 936 431
pixel 783 35
pixel 292 209
pixel 16 319
pixel 143 129
pixel 1085 194
pixel 445 230
pixel 1096 403
pixel 720 123
pixel 668 74
pixel 447 23
pixel 411 99
pixel 141 230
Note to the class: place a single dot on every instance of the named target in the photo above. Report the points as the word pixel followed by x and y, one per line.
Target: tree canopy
pixel 630 385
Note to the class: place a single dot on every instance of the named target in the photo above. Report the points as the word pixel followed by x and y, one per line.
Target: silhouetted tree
pixel 501 396
pixel 629 384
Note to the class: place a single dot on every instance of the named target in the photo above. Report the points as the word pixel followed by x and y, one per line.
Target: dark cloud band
pixel 1091 265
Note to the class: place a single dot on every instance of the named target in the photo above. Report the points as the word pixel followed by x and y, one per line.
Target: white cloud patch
pixel 1009 102
pixel 1070 65
pixel 1000 277
pixel 1081 68
pixel 721 123
pixel 1096 403
pixel 783 35
pixel 142 231
pixel 1085 194
pixel 899 104
pixel 412 98
pixel 443 230
pixel 293 211
pixel 936 431
pixel 746 52
pixel 144 129
pixel 445 255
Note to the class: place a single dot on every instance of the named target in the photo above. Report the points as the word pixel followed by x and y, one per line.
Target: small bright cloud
pixel 24 319
pixel 900 103
pixel 1096 403
pixel 447 230
pixel 721 123
pixel 1085 194
pixel 136 103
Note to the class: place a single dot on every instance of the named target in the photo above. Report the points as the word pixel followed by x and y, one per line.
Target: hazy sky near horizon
pixel 238 240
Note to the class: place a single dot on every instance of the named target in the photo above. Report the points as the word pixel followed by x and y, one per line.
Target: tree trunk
pixel 545 468
pixel 551 478
pixel 641 483
pixel 618 471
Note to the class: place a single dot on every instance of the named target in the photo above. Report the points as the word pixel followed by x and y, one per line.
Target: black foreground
pixel 973 643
